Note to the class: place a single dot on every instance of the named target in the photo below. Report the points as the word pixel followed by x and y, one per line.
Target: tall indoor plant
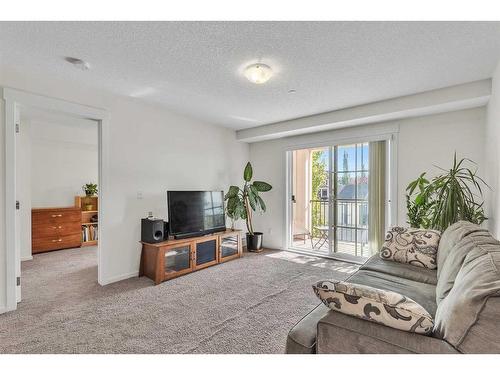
pixel 447 198
pixel 242 202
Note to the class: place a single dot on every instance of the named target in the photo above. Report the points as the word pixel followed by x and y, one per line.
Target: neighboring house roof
pixel 349 192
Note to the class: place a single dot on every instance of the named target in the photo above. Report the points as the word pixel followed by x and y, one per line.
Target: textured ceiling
pixel 195 67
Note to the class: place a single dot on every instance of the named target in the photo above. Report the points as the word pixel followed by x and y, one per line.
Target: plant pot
pixel 88 207
pixel 254 242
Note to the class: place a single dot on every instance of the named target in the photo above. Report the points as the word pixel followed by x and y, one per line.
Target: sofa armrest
pixel 302 337
pixel 340 333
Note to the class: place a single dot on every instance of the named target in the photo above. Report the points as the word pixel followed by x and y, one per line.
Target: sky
pixel 351 157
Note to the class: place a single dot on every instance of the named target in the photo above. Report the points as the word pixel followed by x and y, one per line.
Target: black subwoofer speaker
pixel 152 230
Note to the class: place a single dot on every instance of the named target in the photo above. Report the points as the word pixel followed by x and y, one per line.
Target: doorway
pixel 16 103
pixel 340 202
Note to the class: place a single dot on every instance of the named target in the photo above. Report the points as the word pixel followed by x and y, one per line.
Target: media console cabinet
pixel 168 259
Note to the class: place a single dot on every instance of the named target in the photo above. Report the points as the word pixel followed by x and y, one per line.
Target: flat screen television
pixel 194 213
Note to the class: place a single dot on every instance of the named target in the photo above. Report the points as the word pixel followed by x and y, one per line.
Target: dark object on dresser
pixel 152 230
pixel 195 213
pixel 55 228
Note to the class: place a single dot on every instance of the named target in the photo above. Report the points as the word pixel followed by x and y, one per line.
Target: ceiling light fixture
pixel 78 63
pixel 258 73
pixel 292 91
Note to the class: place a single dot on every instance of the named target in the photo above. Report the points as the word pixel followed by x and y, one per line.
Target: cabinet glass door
pixel 228 246
pixel 178 259
pixel 206 253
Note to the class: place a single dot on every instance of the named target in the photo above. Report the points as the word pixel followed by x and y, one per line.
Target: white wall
pixel 431 141
pixel 151 150
pixel 64 157
pixel 492 156
pixel 423 142
pixel 2 210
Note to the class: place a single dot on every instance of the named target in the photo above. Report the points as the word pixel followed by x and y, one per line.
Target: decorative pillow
pixel 417 247
pixel 376 305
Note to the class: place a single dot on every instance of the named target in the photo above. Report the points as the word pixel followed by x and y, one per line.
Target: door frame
pixel 14 101
pixel 391 137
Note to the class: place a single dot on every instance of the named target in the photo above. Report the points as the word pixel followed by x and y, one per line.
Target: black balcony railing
pixel 352 219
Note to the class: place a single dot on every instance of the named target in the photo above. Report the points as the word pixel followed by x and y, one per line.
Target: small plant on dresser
pixel 90 191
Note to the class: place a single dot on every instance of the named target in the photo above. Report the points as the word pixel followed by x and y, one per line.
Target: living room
pixel 257 187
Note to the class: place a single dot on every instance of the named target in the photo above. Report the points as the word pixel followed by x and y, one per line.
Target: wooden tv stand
pixel 168 259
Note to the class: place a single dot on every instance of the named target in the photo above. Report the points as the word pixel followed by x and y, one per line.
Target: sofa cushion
pixel 377 305
pixel 471 307
pixel 406 271
pixel 451 237
pixel 422 293
pixel 470 236
pixel 339 333
pixel 483 336
pixel 302 337
pixel 417 247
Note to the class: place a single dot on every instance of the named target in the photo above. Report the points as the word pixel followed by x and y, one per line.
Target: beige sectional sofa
pixel 463 296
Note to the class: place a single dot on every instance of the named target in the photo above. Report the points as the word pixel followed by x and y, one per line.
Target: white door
pixel 19 186
pixel 23 196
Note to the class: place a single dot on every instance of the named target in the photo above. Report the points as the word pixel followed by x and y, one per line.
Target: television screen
pixel 195 212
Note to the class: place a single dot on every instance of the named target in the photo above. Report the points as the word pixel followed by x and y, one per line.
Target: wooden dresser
pixel 55 228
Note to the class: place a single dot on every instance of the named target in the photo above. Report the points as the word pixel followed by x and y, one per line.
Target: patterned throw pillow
pixel 376 305
pixel 417 247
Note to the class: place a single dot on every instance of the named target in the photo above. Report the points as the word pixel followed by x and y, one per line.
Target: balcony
pixel 350 234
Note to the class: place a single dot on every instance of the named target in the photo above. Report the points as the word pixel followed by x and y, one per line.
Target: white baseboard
pixel 4 309
pixel 115 279
pixel 30 257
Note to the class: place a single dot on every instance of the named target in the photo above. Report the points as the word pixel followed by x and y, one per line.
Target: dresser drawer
pixel 55 230
pixel 55 217
pixel 56 243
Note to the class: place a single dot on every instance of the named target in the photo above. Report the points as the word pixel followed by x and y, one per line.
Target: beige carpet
pixel 242 306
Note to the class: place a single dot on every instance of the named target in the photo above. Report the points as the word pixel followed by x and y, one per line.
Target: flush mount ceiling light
pixel 78 63
pixel 258 73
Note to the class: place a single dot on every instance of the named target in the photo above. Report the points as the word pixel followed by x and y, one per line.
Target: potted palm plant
pixel 243 202
pixel 90 191
pixel 447 198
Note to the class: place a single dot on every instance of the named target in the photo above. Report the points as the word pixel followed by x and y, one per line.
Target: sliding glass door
pixel 330 208
pixel 350 199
